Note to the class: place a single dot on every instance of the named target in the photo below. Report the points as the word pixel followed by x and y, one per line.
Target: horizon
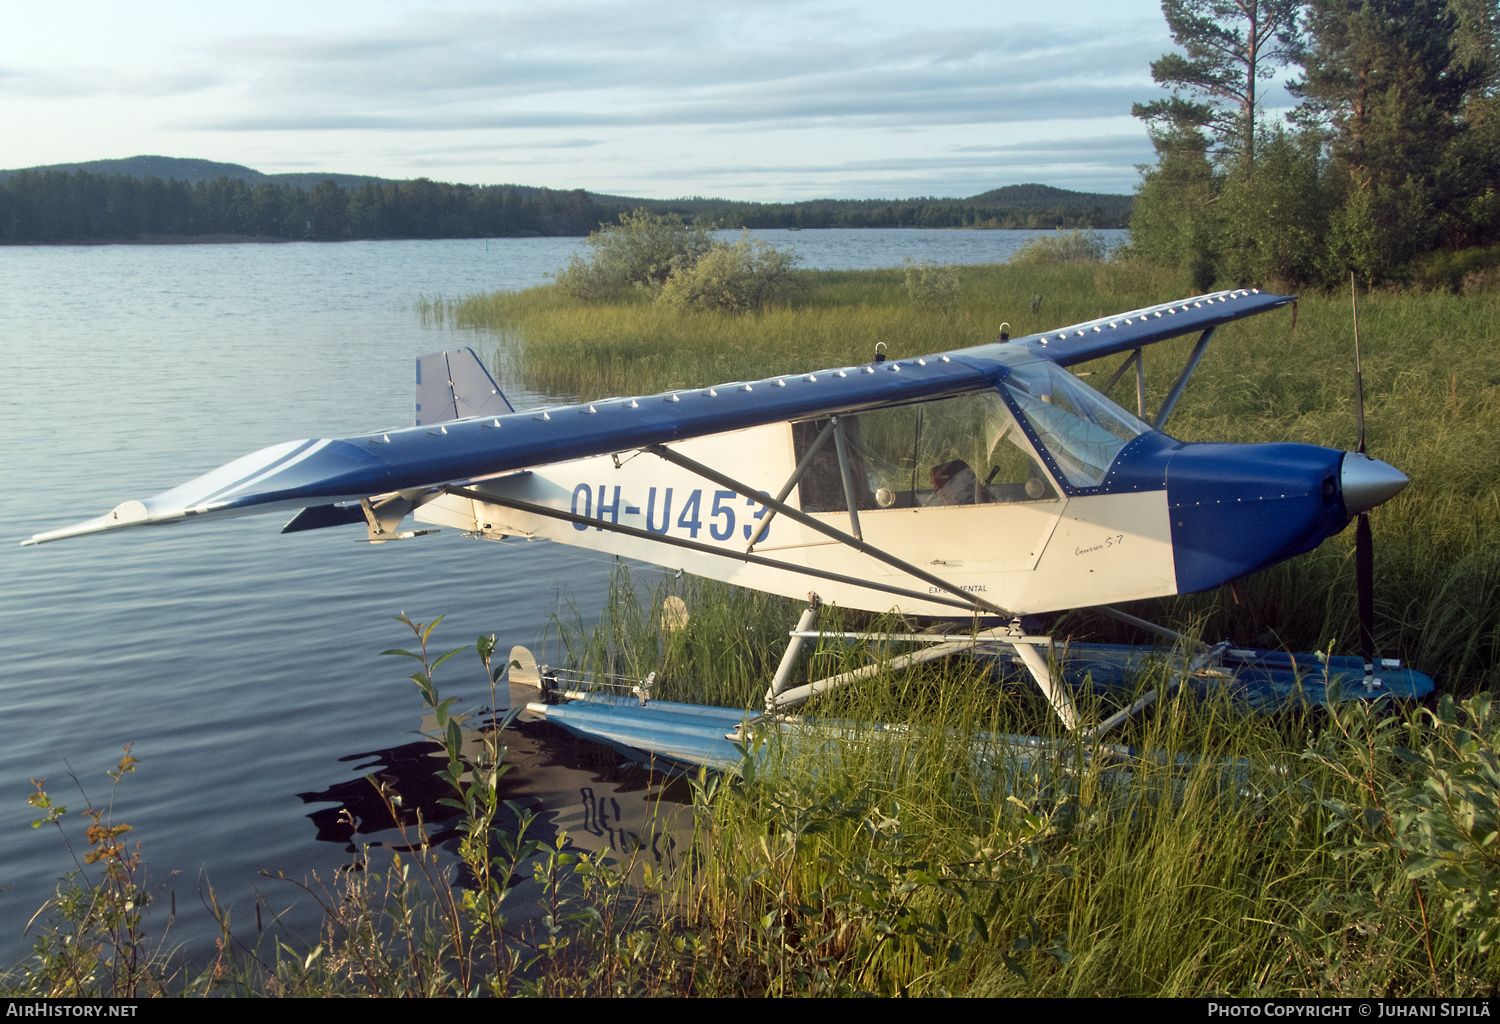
pixel 85 165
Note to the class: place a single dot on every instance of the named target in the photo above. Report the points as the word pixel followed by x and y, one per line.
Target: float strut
pixel 793 648
pixel 1036 662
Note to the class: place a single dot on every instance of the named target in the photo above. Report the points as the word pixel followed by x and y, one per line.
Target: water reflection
pixel 604 802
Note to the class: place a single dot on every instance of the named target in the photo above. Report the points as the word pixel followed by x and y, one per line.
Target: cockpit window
pixel 1082 429
pixel 964 450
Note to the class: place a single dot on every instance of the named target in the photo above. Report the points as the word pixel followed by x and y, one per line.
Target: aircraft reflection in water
pixel 621 809
pixel 989 481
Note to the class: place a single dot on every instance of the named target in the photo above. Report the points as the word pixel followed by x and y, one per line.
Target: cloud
pixel 768 96
pixel 603 65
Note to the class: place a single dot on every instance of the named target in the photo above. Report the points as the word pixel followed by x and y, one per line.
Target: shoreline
pixel 226 239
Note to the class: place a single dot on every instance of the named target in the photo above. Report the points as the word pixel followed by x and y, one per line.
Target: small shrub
pixel 933 287
pixel 94 943
pixel 738 278
pixel 1462 270
pixel 641 251
pixel 1063 248
pixel 1440 820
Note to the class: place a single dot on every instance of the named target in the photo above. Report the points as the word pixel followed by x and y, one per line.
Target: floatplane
pixel 988 483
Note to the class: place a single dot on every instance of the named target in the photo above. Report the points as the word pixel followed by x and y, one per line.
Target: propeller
pixel 1365 483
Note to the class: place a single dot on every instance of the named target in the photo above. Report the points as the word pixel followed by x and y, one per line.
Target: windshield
pixel 960 450
pixel 1082 429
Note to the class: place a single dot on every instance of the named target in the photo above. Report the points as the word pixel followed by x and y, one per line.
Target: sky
pixel 741 99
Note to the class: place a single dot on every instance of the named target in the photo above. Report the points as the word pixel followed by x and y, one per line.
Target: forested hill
pixel 1014 206
pixel 193 171
pixel 150 198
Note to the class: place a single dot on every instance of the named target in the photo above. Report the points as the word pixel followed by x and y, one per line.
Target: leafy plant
pixel 1063 247
pixel 95 942
pixel 933 288
pixel 1439 820
pixel 739 278
pixel 641 251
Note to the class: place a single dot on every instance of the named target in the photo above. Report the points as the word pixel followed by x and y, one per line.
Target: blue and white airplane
pixel 988 481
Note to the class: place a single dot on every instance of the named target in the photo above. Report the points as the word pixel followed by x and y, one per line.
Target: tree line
pixel 57 206
pixel 918 213
pixel 53 206
pixel 1388 167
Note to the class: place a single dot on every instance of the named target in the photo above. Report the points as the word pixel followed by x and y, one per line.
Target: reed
pixel 906 855
pixel 1249 857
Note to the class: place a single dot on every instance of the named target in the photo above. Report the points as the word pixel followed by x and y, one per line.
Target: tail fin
pixel 455 385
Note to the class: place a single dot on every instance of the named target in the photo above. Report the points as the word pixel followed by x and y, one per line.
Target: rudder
pixel 454 386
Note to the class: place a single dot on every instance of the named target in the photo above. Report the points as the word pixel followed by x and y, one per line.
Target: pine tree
pixel 1230 47
pixel 1387 82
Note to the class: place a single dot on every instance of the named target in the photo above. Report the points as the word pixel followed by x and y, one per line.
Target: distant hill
pixel 193 171
pixel 1012 206
pixel 1045 197
pixel 1018 197
pixel 147 197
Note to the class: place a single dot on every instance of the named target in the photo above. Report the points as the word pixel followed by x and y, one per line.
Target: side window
pixel 965 450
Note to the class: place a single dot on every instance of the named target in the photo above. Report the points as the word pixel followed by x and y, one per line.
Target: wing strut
pixel 1140 382
pixel 791 481
pixel 798 516
pixel 1182 379
pixel 838 439
pixel 708 549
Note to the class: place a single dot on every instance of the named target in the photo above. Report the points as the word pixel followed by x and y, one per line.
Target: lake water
pixel 244 665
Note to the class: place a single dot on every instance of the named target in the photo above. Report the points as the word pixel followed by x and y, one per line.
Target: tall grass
pixel 1243 857
pixel 1431 371
pixel 1298 857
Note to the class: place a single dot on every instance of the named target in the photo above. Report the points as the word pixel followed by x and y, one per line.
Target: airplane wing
pixel 466 430
pixel 1123 332
pixel 316 474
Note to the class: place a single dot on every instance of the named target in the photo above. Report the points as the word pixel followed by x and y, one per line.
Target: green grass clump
pixel 892 847
pixel 1296 856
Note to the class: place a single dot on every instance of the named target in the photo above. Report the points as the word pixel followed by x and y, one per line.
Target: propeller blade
pixel 1364 582
pixel 1363 489
pixel 1359 378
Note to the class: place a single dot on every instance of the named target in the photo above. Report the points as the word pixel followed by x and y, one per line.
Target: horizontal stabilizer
pixel 454 386
pixel 319 516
